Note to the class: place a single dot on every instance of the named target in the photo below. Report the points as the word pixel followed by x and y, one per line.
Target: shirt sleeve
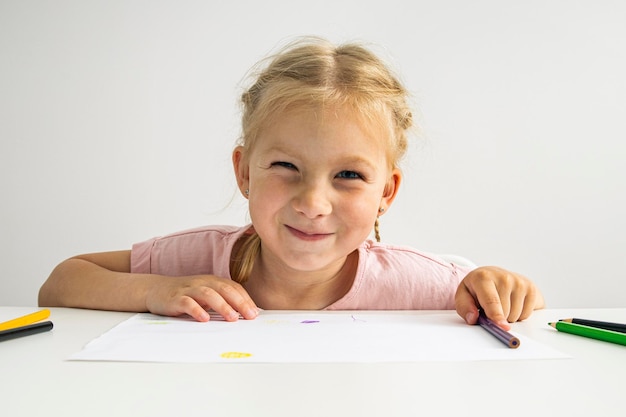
pixel 197 251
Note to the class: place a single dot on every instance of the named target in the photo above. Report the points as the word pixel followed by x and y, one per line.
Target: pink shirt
pixel 387 278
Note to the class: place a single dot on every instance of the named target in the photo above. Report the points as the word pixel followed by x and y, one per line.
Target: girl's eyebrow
pixel 357 160
pixel 277 149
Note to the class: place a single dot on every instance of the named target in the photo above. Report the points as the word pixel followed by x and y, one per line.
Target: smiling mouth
pixel 309 236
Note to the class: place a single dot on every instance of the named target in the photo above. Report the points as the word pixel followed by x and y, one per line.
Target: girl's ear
pixel 391 189
pixel 240 164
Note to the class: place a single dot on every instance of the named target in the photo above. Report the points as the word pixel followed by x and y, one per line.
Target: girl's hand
pixel 174 296
pixel 504 296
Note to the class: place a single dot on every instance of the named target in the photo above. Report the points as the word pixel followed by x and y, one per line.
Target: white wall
pixel 117 119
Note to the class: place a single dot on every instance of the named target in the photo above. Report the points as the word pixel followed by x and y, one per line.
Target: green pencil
pixel 591 332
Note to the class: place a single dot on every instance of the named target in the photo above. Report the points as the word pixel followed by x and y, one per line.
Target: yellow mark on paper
pixel 273 321
pixel 235 355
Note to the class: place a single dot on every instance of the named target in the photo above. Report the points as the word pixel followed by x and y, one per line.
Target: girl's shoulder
pixel 199 250
pixel 371 252
pixel 207 231
pixel 396 277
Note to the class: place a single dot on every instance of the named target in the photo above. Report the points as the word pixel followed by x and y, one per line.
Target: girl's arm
pixel 103 281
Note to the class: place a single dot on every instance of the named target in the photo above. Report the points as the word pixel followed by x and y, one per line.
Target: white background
pixel 117 119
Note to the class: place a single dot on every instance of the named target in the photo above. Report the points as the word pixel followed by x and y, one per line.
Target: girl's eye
pixel 349 175
pixel 283 164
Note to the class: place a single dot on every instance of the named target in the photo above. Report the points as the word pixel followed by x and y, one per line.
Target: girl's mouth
pixel 308 235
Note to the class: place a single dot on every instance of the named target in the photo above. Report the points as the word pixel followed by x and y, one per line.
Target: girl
pixel 324 128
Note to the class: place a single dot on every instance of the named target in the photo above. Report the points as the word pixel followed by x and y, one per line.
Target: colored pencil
pixel 16 332
pixel 502 335
pixel 591 332
pixel 25 320
pixel 615 327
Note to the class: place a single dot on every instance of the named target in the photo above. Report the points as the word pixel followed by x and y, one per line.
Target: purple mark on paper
pixel 309 321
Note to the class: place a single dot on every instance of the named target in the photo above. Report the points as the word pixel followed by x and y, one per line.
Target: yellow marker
pixel 235 355
pixel 25 320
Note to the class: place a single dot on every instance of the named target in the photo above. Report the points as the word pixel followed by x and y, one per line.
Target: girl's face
pixel 316 183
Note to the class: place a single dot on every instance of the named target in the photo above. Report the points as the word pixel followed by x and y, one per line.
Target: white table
pixel 37 380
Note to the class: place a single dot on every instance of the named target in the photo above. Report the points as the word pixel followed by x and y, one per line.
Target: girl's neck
pixel 274 287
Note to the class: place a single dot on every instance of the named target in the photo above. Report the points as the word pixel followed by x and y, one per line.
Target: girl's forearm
pixel 82 284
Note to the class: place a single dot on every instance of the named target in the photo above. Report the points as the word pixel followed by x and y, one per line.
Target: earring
pixel 381 210
pixel 247 192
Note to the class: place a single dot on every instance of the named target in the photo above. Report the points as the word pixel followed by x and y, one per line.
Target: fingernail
pixel 470 318
pixel 504 324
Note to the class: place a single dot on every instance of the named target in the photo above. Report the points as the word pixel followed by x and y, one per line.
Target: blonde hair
pixel 315 72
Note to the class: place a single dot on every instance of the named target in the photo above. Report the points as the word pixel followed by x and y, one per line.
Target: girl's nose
pixel 312 200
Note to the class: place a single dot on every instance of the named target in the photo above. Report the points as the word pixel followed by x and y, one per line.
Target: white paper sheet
pixel 306 337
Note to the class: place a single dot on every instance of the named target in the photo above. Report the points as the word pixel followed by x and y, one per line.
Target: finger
pixel 527 309
pixel 530 303
pixel 238 298
pixel 187 305
pixel 517 306
pixel 465 305
pixel 209 299
pixel 504 297
pixel 523 299
pixel 227 299
pixel 489 300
